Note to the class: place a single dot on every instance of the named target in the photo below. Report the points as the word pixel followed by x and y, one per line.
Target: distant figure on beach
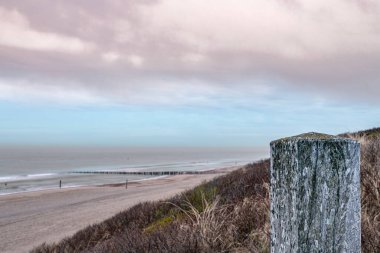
pixel 60 184
pixel 126 184
pixel 5 184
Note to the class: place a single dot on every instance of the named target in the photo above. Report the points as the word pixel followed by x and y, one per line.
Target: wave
pixel 13 178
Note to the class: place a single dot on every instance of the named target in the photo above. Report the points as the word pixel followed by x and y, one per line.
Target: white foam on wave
pixel 9 178
pixel 25 177
pixel 42 175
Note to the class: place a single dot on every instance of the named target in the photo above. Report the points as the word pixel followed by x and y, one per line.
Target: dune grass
pixel 227 214
pixel 370 193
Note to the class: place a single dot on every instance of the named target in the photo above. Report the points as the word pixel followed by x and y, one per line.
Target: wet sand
pixel 29 219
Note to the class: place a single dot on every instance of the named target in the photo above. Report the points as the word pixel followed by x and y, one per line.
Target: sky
pixel 186 73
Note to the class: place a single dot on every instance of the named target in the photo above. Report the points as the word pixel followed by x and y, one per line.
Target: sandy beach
pixel 29 219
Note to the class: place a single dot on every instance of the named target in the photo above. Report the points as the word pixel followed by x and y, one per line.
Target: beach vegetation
pixel 158 224
pixel 200 195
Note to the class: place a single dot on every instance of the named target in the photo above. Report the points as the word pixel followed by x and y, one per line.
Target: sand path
pixel 29 219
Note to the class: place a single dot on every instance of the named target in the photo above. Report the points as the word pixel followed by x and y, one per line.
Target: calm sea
pixel 36 168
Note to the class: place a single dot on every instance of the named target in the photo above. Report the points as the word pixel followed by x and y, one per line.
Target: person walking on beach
pixel 60 184
pixel 126 184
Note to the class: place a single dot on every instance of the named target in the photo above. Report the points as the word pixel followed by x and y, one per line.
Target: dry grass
pixel 227 214
pixel 370 193
pixel 213 224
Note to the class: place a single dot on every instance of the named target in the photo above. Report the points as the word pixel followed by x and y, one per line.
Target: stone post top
pixel 313 136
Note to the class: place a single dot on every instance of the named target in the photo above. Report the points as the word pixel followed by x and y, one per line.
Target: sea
pixel 30 168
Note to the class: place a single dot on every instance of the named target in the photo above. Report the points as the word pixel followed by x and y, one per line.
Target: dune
pixel 29 219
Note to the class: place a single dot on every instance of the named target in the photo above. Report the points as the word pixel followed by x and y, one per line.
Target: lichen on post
pixel 315 194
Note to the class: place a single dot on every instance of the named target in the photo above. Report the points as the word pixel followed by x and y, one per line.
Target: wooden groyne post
pixel 315 194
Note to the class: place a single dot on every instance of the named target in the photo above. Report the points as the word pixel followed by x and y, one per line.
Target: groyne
pixel 148 173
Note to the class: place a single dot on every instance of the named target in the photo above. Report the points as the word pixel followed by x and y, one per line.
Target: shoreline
pixel 154 176
pixel 80 186
pixel 208 171
pixel 29 219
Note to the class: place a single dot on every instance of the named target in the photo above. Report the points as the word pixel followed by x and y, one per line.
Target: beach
pixel 30 219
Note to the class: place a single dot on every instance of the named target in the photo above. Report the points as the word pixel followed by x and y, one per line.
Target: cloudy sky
pixel 192 73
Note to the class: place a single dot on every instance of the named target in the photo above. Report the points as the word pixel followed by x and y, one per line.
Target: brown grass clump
pixel 370 194
pixel 213 224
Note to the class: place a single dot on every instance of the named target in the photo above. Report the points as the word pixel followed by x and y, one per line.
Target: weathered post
pixel 315 194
